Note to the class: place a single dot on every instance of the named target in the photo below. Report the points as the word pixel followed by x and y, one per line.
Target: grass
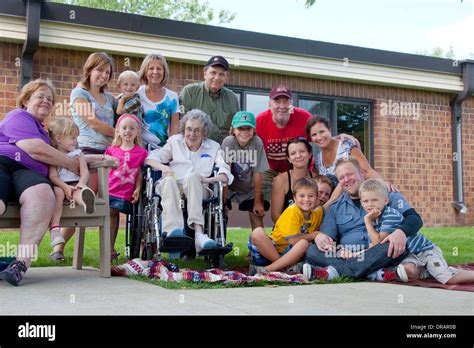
pixel 457 244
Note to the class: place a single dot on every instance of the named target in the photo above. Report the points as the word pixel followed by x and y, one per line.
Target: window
pixel 346 115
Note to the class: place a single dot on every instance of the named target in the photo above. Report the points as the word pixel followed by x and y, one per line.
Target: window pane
pixel 353 119
pixel 256 103
pixel 316 107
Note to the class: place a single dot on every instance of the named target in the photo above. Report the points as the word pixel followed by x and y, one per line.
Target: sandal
pixel 57 256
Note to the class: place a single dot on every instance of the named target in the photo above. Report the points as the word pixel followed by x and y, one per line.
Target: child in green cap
pixel 244 152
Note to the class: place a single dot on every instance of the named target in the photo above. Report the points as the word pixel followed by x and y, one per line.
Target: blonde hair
pixel 374 185
pixel 30 88
pixel 96 60
pixel 144 67
pixel 62 127
pixel 323 179
pixel 128 74
pixel 305 183
pixel 118 139
pixel 348 159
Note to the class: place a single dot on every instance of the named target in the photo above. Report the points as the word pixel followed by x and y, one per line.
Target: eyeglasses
pixel 42 96
pixel 193 130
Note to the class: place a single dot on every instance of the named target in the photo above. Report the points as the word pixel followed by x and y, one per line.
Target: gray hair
pixel 199 115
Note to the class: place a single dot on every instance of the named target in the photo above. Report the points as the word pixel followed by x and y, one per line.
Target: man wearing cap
pixel 212 97
pixel 243 151
pixel 275 126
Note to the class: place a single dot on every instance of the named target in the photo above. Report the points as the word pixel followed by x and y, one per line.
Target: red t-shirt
pixel 275 139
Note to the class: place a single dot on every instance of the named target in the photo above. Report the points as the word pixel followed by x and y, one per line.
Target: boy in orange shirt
pixel 296 227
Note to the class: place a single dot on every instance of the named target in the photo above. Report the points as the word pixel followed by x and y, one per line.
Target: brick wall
pixel 413 153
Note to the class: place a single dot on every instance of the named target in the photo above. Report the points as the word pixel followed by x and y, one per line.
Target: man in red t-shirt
pixel 275 126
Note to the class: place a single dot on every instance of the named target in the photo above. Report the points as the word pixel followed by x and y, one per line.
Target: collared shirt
pixel 344 220
pixel 184 162
pixel 221 107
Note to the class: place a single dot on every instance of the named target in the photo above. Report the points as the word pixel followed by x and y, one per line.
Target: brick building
pixel 414 115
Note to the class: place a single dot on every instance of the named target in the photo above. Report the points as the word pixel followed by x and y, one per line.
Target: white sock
pixel 200 240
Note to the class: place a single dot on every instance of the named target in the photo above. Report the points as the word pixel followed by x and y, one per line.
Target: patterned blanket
pixel 166 271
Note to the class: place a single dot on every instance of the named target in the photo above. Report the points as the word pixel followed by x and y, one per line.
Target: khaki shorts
pixel 267 182
pixel 432 262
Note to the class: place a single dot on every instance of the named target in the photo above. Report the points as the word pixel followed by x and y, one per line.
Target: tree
pixel 181 10
pixel 310 3
pixel 438 52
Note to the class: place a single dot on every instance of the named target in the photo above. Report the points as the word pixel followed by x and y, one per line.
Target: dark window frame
pixel 334 100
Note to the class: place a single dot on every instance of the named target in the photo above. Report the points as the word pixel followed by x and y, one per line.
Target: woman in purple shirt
pixel 25 154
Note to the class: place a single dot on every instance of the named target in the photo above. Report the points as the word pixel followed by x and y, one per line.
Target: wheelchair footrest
pixel 224 250
pixel 176 244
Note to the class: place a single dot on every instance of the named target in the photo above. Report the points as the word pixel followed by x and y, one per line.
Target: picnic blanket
pixel 432 283
pixel 166 271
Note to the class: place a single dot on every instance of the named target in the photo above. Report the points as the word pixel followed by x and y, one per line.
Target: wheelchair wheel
pixel 136 231
pixel 218 262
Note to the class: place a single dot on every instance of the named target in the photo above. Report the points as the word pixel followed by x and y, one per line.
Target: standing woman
pixel 299 155
pixel 25 153
pixel 93 110
pixel 160 104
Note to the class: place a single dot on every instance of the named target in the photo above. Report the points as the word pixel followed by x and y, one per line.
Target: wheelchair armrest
pixel 101 164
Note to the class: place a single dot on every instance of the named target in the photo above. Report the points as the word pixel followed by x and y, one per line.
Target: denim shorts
pixel 260 260
pixel 121 205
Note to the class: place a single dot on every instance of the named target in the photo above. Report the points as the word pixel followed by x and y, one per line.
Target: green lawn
pixel 457 244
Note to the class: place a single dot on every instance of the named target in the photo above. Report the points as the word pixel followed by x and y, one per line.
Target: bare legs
pixel 37 204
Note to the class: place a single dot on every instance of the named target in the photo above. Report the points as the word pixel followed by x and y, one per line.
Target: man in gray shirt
pixel 210 96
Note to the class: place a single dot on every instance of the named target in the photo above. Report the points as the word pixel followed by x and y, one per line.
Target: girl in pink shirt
pixel 125 181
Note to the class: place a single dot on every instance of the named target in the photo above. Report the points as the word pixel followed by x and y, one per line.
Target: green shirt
pixel 221 107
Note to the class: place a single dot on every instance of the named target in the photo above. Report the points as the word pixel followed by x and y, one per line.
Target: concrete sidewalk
pixel 63 291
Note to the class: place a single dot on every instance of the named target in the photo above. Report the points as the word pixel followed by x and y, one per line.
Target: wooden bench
pixel 76 217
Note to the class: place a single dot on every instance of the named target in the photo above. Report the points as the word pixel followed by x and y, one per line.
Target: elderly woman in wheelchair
pixel 186 162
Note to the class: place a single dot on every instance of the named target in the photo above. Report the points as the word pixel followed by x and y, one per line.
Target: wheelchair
pixel 145 238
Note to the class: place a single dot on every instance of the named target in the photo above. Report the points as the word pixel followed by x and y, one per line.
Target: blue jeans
pixel 357 267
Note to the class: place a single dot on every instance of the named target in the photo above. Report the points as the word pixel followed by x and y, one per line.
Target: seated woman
pixel 332 149
pixel 191 157
pixel 299 155
pixel 25 153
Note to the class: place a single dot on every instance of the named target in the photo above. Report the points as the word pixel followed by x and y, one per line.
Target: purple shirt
pixel 21 125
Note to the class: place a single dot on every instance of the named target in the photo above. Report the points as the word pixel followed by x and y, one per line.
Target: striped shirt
pixel 390 220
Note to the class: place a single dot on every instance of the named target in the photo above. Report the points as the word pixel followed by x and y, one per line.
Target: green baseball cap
pixel 243 118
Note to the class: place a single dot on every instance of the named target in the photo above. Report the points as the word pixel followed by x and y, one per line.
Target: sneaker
pixel 202 241
pixel 402 274
pixel 312 273
pixel 398 273
pixel 253 270
pixel 298 268
pixel 13 273
pixel 88 197
pixel 56 256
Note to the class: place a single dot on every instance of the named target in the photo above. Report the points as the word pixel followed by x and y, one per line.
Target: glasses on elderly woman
pixel 193 130
pixel 42 96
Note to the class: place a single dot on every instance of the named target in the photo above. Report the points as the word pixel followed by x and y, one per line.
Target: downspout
pixel 30 46
pixel 456 112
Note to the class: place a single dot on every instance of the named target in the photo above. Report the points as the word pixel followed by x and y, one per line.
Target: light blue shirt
pixel 89 137
pixel 344 220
